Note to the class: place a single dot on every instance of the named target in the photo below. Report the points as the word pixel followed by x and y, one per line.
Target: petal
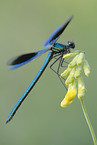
pixel 65 103
pixel 73 62
pixel 78 71
pixel 81 88
pixel 70 78
pixel 71 95
pixel 70 55
pixel 80 58
pixel 66 72
pixel 86 68
pixel 73 85
pixel 72 91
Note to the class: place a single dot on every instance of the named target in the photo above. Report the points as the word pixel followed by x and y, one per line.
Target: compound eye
pixel 71 44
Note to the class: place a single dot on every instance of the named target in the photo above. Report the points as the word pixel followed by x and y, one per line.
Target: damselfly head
pixel 71 44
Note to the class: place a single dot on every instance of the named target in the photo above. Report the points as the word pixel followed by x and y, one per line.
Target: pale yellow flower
pixel 70 55
pixel 71 94
pixel 78 71
pixel 72 91
pixel 73 72
pixel 70 78
pixel 80 58
pixel 86 68
pixel 81 88
pixel 73 62
pixel 65 103
pixel 66 72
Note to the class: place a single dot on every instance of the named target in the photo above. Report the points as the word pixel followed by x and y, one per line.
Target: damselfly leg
pixel 60 59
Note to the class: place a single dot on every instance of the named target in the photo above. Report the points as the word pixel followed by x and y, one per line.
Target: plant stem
pixel 88 122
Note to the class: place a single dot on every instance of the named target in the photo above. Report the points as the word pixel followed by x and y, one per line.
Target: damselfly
pixel 56 50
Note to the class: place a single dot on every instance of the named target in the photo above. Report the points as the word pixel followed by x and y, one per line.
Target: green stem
pixel 88 122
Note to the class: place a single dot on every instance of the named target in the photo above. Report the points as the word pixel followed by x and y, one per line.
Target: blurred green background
pixel 25 25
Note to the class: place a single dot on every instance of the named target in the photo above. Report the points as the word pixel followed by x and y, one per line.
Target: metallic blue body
pixel 59 46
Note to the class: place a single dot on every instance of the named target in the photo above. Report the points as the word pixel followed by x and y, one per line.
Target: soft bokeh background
pixel 24 27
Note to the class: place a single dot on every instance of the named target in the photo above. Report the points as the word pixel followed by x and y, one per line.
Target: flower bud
pixel 70 55
pixel 81 88
pixel 86 68
pixel 66 72
pixel 70 78
pixel 72 91
pixel 78 71
pixel 73 62
pixel 80 58
pixel 65 103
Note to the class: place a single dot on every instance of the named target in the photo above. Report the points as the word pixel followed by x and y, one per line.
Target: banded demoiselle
pixel 56 50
